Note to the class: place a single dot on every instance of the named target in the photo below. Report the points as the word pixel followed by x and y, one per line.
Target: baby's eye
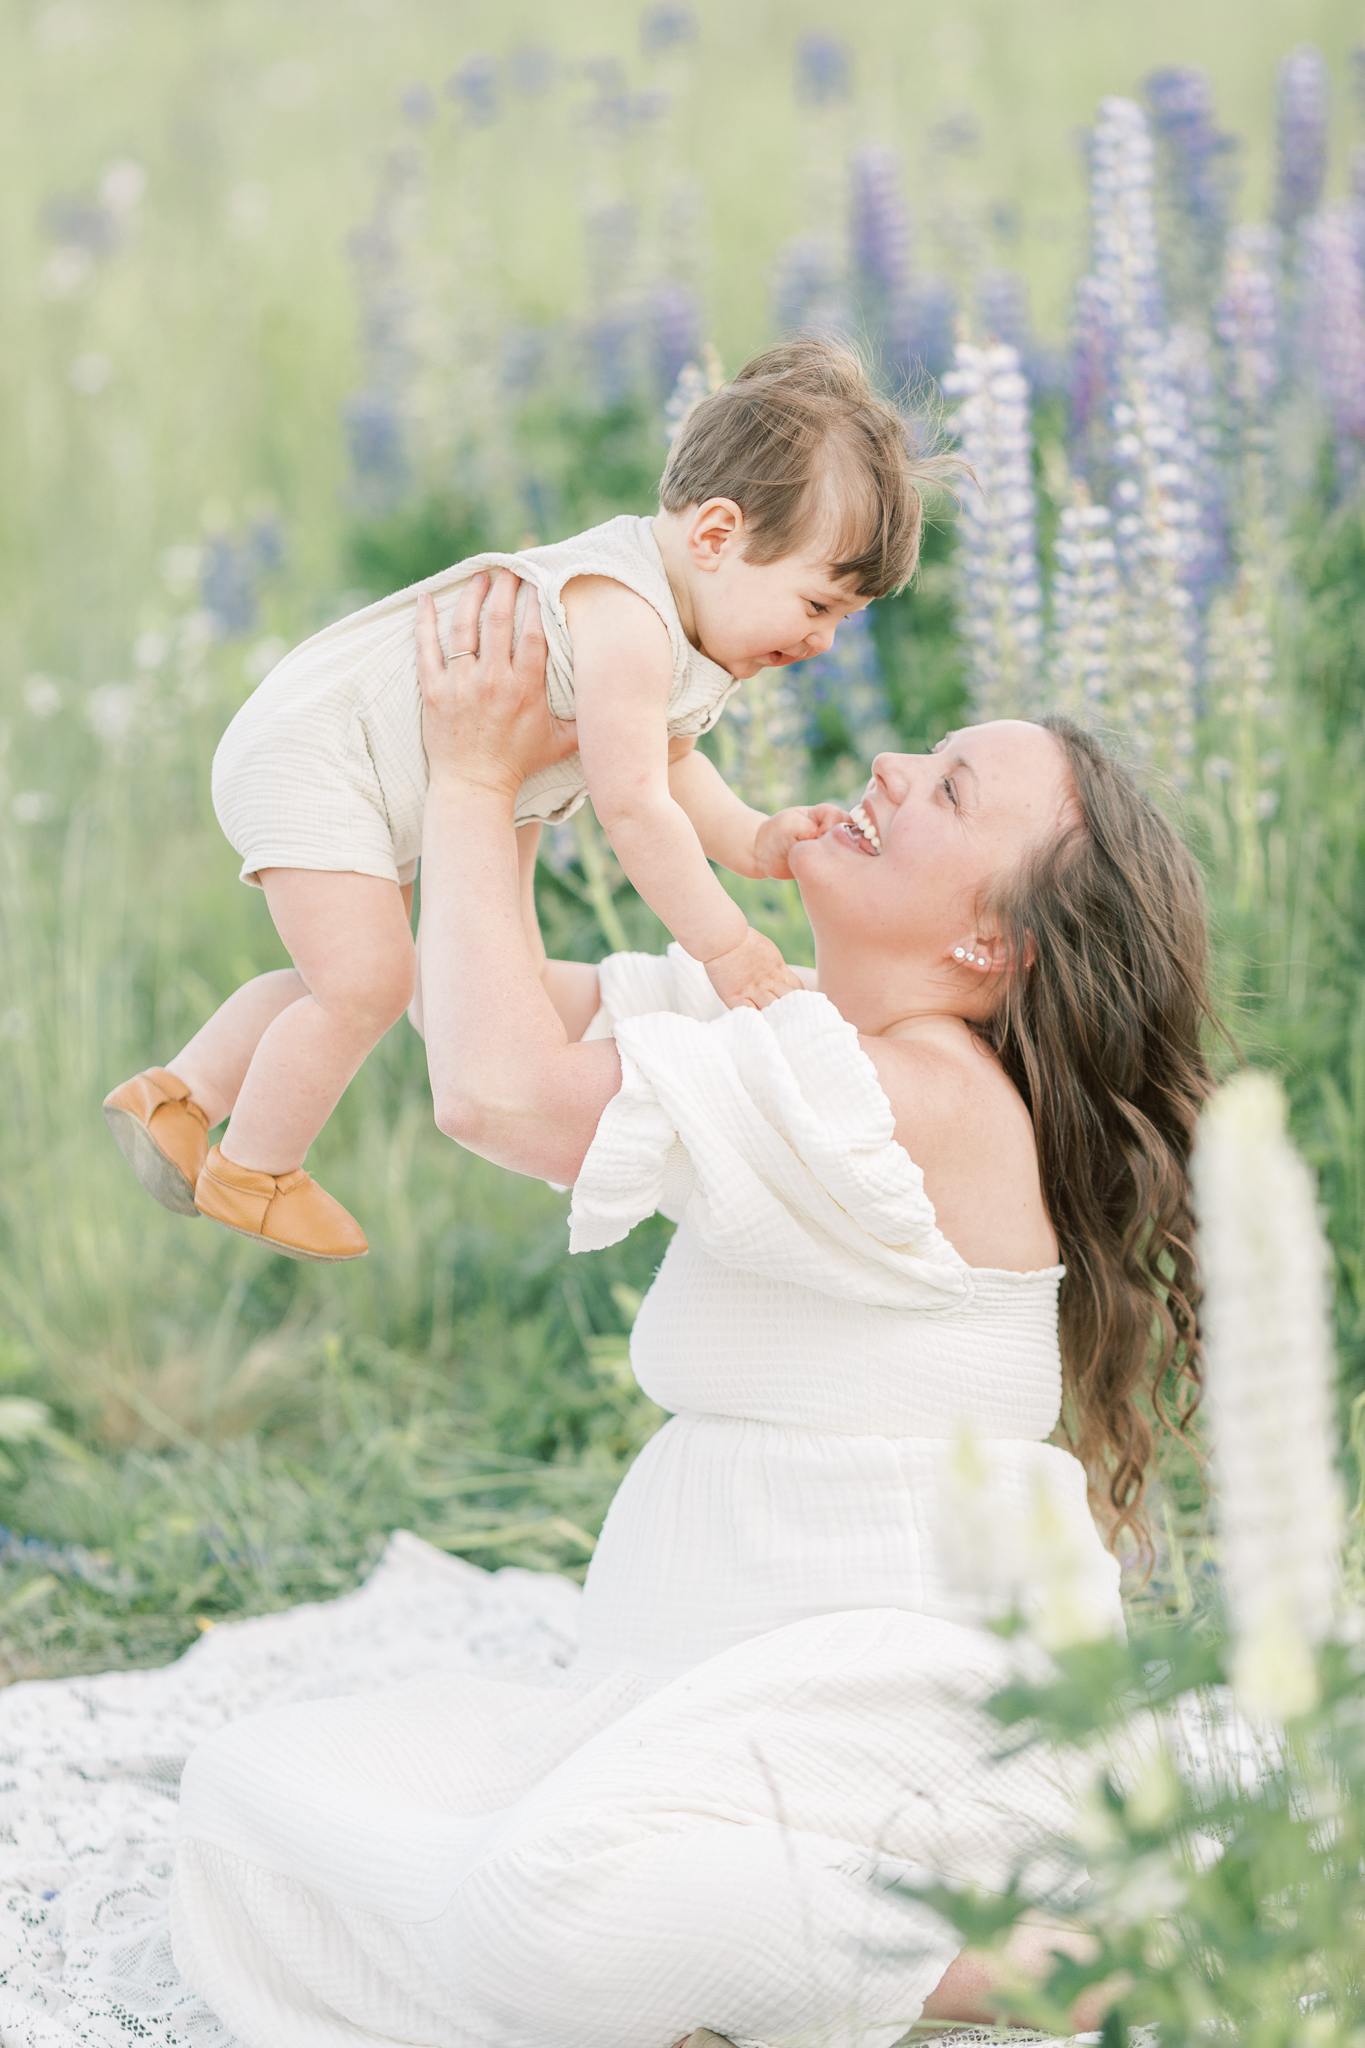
pixel 820 608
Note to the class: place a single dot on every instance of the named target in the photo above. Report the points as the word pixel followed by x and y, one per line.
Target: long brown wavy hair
pixel 1102 1031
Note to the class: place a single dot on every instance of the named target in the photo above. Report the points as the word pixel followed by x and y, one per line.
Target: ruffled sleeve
pixel 767 1133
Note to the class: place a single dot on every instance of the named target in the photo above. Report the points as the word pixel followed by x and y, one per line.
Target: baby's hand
pixel 752 973
pixel 777 835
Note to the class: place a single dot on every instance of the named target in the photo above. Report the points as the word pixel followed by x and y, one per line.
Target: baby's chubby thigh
pixel 350 939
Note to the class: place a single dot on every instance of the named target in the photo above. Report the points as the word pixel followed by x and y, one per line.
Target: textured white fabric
pixel 323 767
pixel 775 1705
pixel 89 1769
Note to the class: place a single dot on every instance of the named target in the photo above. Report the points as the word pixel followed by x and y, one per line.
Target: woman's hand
pixel 484 714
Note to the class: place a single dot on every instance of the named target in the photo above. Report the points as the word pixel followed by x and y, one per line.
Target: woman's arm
pixel 506 1080
pixel 571 985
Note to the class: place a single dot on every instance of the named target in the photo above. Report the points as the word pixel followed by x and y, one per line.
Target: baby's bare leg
pixel 352 949
pixel 213 1065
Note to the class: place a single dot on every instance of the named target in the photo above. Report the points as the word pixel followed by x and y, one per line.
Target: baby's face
pixel 751 616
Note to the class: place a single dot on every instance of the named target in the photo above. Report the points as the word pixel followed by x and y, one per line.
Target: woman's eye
pixel 946 783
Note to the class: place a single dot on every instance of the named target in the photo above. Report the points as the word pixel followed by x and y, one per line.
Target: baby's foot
pixel 162 1133
pixel 288 1212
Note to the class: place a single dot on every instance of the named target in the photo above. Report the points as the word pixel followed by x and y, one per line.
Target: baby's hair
pixel 813 455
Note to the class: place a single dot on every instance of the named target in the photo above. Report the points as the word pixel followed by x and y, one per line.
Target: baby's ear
pixel 714 530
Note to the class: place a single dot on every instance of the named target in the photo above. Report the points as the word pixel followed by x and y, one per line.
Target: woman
pixel 775 1709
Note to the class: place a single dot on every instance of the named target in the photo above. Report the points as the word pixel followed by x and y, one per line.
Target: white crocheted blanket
pixel 89 1769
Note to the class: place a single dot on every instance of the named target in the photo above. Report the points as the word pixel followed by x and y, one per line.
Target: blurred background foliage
pixel 303 301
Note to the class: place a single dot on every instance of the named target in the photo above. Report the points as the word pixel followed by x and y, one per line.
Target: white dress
pixel 323 767
pixel 774 1707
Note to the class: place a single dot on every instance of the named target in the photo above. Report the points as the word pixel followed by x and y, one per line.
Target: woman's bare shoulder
pixel 964 1123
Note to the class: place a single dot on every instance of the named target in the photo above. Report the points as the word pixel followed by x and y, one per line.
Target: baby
pixel 790 498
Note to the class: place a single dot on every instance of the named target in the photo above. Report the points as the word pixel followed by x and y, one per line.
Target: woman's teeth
pixel 863 825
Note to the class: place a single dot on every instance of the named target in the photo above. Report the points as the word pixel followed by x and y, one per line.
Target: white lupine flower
pixel 1022 1551
pixel 689 390
pixel 1270 1377
pixel 1156 512
pixel 1000 595
pixel 1085 611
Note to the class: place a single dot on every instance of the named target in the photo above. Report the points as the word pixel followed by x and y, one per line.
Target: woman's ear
pixel 715 529
pixel 982 956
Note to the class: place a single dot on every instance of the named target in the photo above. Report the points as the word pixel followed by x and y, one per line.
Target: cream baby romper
pixel 323 767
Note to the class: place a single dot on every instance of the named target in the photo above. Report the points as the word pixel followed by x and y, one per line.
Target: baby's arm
pixel 623 671
pixel 746 841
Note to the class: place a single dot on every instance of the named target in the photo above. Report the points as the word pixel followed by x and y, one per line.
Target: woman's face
pixel 949 823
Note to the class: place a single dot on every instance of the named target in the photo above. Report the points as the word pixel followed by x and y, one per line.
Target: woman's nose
pixel 889 772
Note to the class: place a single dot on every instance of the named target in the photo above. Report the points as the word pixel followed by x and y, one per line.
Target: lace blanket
pixel 89 1769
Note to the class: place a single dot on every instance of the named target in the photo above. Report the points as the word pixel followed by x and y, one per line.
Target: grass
pixel 221 1432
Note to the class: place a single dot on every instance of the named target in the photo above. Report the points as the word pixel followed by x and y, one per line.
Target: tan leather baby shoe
pixel 288 1212
pixel 162 1133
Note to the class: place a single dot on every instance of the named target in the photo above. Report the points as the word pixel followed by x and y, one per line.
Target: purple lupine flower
pixel 1085 612
pixel 1181 100
pixel 1195 163
pixel 1003 315
pixel 1139 441
pixel 524 351
pixel 1332 328
pixel 376 418
pixel 1000 597
pixel 1002 304
pixel 920 325
pixel 1246 324
pixel 879 228
pixel 840 694
pixel 1195 175
pixel 417 103
pixel 232 572
pixel 1301 103
pixel 374 435
pixel 532 70
pixel 608 111
pixel 1190 366
pixel 824 70
pixel 611 345
pixel 675 321
pixel 1246 321
pixel 665 26
pixel 474 88
pixel 806 291
pixel 81 223
pixel 1091 369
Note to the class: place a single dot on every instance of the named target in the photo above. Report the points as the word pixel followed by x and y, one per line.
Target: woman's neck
pixel 888 1000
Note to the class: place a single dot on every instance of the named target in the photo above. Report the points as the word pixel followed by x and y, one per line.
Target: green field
pixel 228 1432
